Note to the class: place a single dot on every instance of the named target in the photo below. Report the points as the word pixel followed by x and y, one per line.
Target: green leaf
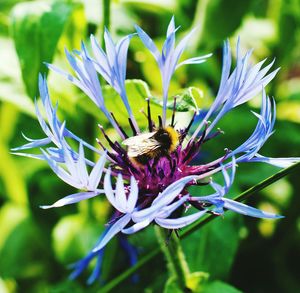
pixel 65 286
pixel 196 279
pixel 288 33
pixel 218 287
pixel 12 176
pixel 74 230
pixel 37 27
pixel 11 86
pixel 205 249
pixel 137 92
pixel 20 250
pixel 185 101
pixel 10 216
pixel 222 19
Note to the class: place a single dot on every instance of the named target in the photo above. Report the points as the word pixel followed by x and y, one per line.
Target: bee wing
pixel 141 144
pixel 138 139
pixel 147 147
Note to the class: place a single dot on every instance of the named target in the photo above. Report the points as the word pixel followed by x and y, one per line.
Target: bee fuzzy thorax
pixel 174 138
pixel 146 146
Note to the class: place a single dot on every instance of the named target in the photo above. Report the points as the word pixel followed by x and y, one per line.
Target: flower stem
pixel 105 16
pixel 171 248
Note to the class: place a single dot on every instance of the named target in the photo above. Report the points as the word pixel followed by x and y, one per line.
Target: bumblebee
pixel 146 146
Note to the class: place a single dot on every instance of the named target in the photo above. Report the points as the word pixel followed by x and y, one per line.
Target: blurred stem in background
pixel 105 17
pixel 274 10
pixel 198 22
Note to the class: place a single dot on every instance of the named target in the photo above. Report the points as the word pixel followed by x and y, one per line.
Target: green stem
pixel 174 255
pixel 199 20
pixel 105 17
pixel 109 286
pixel 274 10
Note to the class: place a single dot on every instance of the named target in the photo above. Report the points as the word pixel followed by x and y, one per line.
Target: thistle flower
pixel 145 187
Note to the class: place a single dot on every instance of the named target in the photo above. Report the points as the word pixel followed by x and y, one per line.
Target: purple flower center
pixel 167 160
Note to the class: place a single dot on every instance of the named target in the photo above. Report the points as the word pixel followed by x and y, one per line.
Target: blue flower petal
pixel 180 222
pixel 149 44
pixel 73 198
pixel 278 162
pixel 96 173
pixel 246 210
pixel 166 197
pixel 136 227
pixel 34 144
pixel 113 230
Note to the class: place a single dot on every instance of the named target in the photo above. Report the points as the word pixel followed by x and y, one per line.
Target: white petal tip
pixel 46 207
pixel 51 206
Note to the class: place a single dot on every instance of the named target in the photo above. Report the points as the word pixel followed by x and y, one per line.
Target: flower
pixel 152 187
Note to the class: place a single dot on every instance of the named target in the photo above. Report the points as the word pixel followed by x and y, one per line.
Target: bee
pixel 146 146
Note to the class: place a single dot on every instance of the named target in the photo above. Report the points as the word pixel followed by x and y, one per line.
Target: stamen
pixel 112 157
pixel 217 162
pixel 176 154
pixel 192 147
pixel 160 121
pixel 173 168
pixel 168 157
pixel 174 111
pixel 197 205
pixel 218 132
pixel 188 156
pixel 183 136
pixel 101 144
pixel 106 136
pixel 161 173
pixel 150 125
pixel 154 165
pixel 201 139
pixel 119 126
pixel 121 150
pixel 149 167
pixel 134 132
pixel 144 113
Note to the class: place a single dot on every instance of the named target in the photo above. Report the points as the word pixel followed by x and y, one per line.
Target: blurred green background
pixel 36 245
